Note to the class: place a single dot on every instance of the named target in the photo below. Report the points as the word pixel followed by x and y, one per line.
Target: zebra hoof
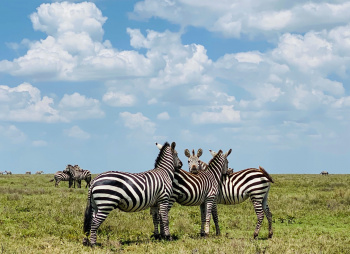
pixel 204 235
pixel 168 238
pixel 86 242
pixel 270 235
pixel 156 236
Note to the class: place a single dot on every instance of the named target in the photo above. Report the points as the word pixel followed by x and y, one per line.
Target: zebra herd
pixel 6 172
pixel 73 174
pixel 206 185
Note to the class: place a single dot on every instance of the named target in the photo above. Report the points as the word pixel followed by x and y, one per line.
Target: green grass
pixel 311 214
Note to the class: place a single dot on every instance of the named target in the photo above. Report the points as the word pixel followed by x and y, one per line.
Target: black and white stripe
pixel 61 176
pixel 132 192
pixel 78 175
pixel 198 190
pixel 238 186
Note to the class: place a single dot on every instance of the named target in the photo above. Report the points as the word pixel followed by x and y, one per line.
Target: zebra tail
pixel 266 174
pixel 88 215
pixel 52 180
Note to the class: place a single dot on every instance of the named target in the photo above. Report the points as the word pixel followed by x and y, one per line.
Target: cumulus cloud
pixel 77 106
pixel 269 18
pixel 138 122
pixel 12 133
pixel 73 48
pixel 163 116
pixel 218 115
pixel 76 132
pixel 25 104
pixel 119 99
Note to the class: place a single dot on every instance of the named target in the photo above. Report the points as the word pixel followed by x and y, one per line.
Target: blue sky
pixel 97 83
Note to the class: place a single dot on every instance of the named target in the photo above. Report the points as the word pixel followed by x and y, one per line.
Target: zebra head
pixel 194 164
pixel 177 161
pixel 225 168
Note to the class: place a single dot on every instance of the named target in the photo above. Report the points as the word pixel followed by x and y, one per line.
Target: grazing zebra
pixel 324 173
pixel 197 190
pixel 132 192
pixel 8 172
pixel 61 176
pixel 78 175
pixel 238 186
pixel 28 173
pixel 39 172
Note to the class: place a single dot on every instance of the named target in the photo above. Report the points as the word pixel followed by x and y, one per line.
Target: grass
pixel 311 214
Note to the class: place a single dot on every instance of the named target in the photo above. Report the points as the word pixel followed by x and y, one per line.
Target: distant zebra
pixel 61 176
pixel 1 173
pixel 78 174
pixel 39 172
pixel 132 192
pixel 28 173
pixel 197 190
pixel 8 172
pixel 324 173
pixel 238 186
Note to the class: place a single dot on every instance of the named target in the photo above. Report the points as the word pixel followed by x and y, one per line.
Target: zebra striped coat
pixel 132 192
pixel 238 186
pixel 78 175
pixel 61 176
pixel 198 190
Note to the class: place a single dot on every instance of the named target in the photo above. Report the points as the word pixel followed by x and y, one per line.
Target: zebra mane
pixel 214 158
pixel 166 144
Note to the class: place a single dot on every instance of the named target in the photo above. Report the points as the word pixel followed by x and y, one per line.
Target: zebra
pixel 132 192
pixel 324 173
pixel 1 173
pixel 61 176
pixel 237 187
pixel 39 172
pixel 8 172
pixel 78 174
pixel 196 190
pixel 28 173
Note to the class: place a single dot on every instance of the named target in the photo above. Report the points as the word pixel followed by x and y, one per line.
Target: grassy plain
pixel 311 214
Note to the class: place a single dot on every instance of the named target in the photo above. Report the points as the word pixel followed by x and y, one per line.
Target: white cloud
pixel 219 115
pixel 163 116
pixel 269 18
pixel 119 99
pixel 77 132
pixel 73 49
pixel 39 143
pixel 24 104
pixel 12 134
pixel 77 106
pixel 138 122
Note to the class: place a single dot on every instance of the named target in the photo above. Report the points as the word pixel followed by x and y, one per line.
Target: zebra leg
pixel 268 214
pixel 208 205
pixel 163 211
pixel 155 216
pixel 214 212
pixel 96 222
pixel 203 213
pixel 260 214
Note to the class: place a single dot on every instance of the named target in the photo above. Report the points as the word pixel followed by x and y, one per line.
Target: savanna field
pixel 311 214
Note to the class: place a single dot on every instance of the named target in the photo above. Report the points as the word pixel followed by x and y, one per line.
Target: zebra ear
pixel 228 153
pixel 212 152
pixel 200 152
pixel 187 153
pixel 173 146
pixel 159 146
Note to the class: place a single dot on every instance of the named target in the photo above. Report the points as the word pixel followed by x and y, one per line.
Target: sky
pixel 97 83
